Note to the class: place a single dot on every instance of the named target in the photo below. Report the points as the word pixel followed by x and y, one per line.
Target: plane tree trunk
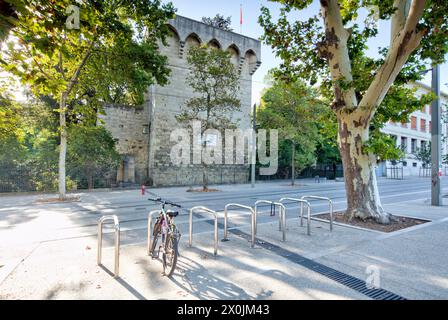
pixel 363 199
pixel 355 113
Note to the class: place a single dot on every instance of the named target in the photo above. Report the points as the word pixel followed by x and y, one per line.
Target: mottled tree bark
pixel 363 199
pixel 354 116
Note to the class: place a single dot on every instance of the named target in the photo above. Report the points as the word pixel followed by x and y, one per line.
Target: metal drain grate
pixel 333 274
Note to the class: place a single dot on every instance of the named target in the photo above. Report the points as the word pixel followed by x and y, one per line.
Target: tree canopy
pixel 219 21
pixel 86 54
pixel 293 109
pixel 330 48
pixel 215 83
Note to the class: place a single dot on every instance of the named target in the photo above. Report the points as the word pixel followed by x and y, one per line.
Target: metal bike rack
pixel 215 216
pixel 101 221
pixel 330 203
pixel 252 220
pixel 281 221
pixel 150 215
pixel 301 201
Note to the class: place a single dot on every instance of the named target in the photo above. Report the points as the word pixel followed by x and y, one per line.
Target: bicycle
pixel 165 228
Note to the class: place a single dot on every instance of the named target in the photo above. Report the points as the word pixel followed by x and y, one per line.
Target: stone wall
pixel 148 154
pixel 168 100
pixel 128 125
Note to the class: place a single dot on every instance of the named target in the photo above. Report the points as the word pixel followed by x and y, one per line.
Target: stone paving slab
pixel 412 262
pixel 238 272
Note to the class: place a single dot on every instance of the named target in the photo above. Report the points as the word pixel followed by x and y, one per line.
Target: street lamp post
pixel 436 197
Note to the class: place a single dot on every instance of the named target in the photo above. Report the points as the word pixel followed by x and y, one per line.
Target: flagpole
pixel 241 17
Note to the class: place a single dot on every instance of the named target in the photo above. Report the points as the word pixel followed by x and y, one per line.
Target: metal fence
pixel 22 178
pixel 427 171
pixel 424 172
pixel 395 173
pixel 321 171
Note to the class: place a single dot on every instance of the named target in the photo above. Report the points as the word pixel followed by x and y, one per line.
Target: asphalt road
pixel 22 221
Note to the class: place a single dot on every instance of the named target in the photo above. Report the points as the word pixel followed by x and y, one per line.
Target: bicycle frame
pixel 164 233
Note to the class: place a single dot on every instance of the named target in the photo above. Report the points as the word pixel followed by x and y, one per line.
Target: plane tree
pixel 367 90
pixel 75 51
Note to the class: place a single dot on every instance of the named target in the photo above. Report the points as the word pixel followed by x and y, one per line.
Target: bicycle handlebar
pixel 166 202
pixel 159 199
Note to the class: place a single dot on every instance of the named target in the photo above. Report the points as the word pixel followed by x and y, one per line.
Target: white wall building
pixel 415 134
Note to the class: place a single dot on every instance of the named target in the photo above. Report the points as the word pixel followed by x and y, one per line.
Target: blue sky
pixel 196 9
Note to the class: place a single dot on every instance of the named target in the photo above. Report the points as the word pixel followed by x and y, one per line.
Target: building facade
pixel 414 135
pixel 143 134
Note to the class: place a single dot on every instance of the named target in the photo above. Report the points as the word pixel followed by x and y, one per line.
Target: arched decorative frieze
pixel 173 41
pixel 192 40
pixel 234 55
pixel 214 44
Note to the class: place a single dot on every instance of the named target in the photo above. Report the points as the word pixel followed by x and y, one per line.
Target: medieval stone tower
pixel 144 134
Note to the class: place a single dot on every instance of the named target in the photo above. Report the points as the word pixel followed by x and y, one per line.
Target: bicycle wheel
pixel 155 238
pixel 170 255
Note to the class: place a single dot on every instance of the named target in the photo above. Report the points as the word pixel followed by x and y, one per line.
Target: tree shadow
pixel 197 280
pixel 57 289
pixel 16 217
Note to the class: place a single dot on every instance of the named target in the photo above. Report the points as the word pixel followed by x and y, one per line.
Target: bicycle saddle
pixel 172 213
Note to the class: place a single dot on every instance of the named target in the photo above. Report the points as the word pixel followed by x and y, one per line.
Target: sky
pixel 196 9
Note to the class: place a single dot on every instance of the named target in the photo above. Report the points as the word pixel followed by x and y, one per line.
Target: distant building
pixel 144 134
pixel 414 135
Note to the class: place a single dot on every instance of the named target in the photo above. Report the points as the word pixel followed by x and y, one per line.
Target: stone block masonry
pixel 130 127
pixel 148 154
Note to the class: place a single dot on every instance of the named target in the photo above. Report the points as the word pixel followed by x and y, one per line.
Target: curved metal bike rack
pixel 330 203
pixel 282 220
pixel 215 216
pixel 116 222
pixel 149 242
pixel 301 201
pixel 252 220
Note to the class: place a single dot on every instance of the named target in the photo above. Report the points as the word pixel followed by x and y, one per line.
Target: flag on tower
pixel 241 17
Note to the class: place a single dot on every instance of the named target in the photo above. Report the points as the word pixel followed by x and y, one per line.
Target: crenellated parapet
pixel 242 48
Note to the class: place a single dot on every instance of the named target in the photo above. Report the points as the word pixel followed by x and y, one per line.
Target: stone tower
pixel 144 134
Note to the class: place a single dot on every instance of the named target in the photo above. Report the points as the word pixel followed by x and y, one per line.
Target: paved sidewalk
pixel 67 270
pixel 412 264
pixel 49 250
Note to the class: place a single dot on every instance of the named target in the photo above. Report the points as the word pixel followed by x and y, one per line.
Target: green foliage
pixel 219 21
pixel 398 105
pixel 91 153
pixel 383 146
pixel 296 43
pixel 294 109
pixel 327 151
pixel 215 81
pixel 424 155
pixel 11 132
pixel 111 56
pixel 118 40
pixel 29 153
